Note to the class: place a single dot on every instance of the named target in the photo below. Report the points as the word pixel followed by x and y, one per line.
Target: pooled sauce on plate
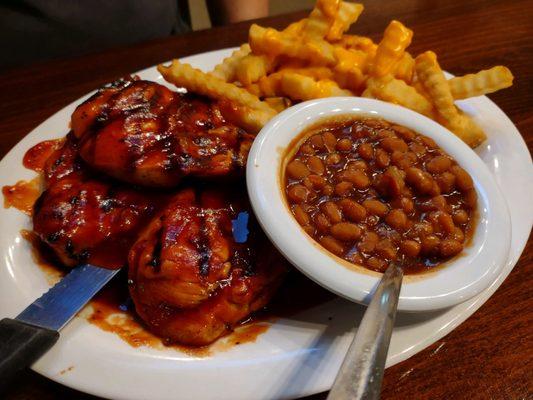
pixel 43 257
pixel 372 192
pixel 35 158
pixel 112 311
pixel 22 195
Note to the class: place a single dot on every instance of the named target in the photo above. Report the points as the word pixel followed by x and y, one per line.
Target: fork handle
pixel 361 373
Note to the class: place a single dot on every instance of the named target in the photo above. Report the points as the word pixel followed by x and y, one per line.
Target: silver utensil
pixel 362 370
pixel 35 330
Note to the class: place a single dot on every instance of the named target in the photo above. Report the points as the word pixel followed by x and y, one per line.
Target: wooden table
pixel 490 356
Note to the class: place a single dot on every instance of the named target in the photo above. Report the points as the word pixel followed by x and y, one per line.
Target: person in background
pixel 38 30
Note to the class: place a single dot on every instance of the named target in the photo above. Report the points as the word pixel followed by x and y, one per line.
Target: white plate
pixel 295 357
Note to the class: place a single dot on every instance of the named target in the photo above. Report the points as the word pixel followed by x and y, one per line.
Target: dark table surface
pixel 490 356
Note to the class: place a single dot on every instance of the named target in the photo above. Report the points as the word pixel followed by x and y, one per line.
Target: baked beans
pixel 372 192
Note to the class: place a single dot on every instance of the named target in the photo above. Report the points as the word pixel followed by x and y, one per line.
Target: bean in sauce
pixel 373 192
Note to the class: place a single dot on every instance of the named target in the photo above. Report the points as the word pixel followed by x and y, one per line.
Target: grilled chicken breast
pixel 195 271
pixel 86 218
pixel 142 132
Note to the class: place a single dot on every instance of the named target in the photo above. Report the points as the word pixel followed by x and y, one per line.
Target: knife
pixel 35 330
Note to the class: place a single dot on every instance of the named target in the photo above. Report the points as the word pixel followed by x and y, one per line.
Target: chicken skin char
pixel 85 218
pixel 89 221
pixel 64 162
pixel 142 132
pixel 190 280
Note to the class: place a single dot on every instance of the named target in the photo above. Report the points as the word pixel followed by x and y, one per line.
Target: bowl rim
pixel 479 264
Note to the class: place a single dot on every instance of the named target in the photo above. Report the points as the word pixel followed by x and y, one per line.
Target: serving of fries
pixel 315 58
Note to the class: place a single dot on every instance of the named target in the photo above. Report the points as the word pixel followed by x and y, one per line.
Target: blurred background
pixel 200 15
pixel 40 30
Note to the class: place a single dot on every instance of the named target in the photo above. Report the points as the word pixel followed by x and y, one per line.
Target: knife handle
pixel 21 344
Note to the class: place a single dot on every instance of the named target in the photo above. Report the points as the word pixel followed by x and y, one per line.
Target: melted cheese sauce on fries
pixel 314 58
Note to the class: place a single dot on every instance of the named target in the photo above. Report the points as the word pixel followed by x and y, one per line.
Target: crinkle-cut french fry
pixel 331 18
pixel 254 89
pixel 480 83
pixel 194 80
pixel 432 78
pixel 356 42
pixel 278 103
pixel 245 117
pixel 350 67
pixel 350 58
pixel 329 8
pixel 398 92
pixel 301 87
pixel 295 29
pixel 318 23
pixel 368 93
pixel 405 68
pixel 270 86
pixel 260 39
pixel 395 40
pixel 420 88
pixel 313 72
pixel 430 75
pixel 274 43
pixel 226 69
pixel 250 69
pixel 319 49
pixel 467 130
pixel 253 67
pixel 252 120
pixel 346 15
pixel 352 80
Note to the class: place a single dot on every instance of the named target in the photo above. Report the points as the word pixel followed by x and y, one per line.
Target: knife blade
pixel 62 301
pixel 35 330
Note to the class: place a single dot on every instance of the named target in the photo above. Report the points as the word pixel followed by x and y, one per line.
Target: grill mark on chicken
pixel 202 246
pixel 155 261
pixel 85 217
pixel 143 133
pixel 184 302
pixel 201 242
pixel 237 156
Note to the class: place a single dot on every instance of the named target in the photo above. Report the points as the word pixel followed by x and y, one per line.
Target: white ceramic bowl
pixel 460 279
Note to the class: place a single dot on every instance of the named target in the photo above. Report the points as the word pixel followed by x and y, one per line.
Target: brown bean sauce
pixel 372 192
